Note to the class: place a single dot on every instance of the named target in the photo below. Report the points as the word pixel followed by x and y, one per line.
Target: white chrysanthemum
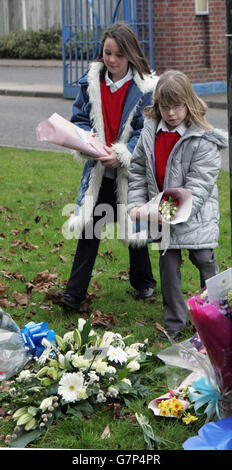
pixel 80 362
pixel 70 385
pixel 24 375
pixel 116 355
pixel 101 397
pixel 93 377
pixel 100 366
pixel 111 370
pixel 81 394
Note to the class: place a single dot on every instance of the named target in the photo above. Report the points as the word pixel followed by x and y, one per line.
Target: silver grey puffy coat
pixel 194 163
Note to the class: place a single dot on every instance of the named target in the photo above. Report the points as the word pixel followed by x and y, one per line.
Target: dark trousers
pixel 175 310
pixel 87 248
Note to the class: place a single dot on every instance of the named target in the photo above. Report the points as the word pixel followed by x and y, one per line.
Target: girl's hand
pixel 134 213
pixel 112 160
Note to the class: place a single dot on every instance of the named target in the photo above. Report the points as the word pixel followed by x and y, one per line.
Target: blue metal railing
pixel 82 24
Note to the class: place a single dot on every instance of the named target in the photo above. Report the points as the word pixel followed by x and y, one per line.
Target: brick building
pixel 193 43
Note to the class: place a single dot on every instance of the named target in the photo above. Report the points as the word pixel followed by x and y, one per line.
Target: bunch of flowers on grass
pixel 81 371
pixel 173 407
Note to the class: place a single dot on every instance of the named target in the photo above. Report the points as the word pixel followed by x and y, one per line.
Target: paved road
pixel 20 115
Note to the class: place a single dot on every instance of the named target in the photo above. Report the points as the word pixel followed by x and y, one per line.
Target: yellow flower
pixel 164 412
pixel 176 405
pixel 189 419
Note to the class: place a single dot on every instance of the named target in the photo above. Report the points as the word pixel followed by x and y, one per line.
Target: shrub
pixel 42 44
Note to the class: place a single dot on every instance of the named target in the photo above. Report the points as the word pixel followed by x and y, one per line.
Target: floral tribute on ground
pixel 74 375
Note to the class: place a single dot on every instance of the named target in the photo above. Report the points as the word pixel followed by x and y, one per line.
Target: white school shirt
pixel 180 129
pixel 114 86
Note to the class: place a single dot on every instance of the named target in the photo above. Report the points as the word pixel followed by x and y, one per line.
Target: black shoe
pixel 69 301
pixel 144 293
pixel 171 336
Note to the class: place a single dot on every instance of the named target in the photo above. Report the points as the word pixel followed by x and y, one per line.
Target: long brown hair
pixel 174 87
pixel 129 46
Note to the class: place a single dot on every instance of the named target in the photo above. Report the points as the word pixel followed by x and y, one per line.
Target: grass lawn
pixel 35 187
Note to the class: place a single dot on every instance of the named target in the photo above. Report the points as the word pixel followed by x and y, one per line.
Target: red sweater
pixel 164 144
pixel 112 107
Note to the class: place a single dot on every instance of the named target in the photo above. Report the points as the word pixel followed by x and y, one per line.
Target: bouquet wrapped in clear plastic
pixel 13 354
pixel 211 314
pixel 19 346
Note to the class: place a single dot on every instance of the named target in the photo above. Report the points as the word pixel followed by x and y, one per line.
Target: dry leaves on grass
pixel 104 319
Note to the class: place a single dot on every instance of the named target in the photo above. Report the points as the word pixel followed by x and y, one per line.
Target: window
pixel 202 7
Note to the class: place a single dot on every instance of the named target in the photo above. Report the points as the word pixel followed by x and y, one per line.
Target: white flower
pixel 80 362
pixel 137 346
pixel 61 360
pixel 68 337
pixel 44 405
pixel 68 355
pixel 118 341
pixel 107 339
pixel 71 385
pixel 100 366
pixel 81 323
pixel 93 377
pixel 111 370
pixel 101 397
pixel 133 366
pixel 112 391
pixel 81 394
pixel 24 375
pixel 127 381
pixel 132 352
pixel 116 355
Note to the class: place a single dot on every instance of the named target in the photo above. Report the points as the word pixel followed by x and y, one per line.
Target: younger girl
pixel 110 101
pixel 178 148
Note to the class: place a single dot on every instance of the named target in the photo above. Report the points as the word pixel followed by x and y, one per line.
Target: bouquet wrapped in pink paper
pixel 173 206
pixel 211 314
pixel 215 331
pixel 60 131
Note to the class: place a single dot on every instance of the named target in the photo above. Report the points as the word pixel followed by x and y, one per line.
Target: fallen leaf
pixel 3 288
pixel 62 258
pixel 104 320
pixel 96 286
pixel 55 296
pixel 106 433
pixel 21 299
pixel 6 303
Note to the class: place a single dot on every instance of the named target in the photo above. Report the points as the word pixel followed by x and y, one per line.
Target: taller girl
pixel 110 101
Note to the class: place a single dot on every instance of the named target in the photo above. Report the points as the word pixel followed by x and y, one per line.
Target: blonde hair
pixel 174 87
